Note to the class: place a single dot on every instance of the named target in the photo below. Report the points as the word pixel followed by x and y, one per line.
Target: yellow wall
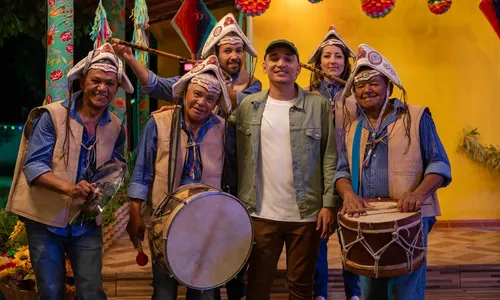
pixel 450 63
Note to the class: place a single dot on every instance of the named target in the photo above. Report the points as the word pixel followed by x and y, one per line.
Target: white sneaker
pixel 320 298
pixel 354 298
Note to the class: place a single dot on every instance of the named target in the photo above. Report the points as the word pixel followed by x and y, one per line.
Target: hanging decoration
pixel 488 156
pixel 112 15
pixel 439 7
pixel 377 8
pixel 141 23
pixel 60 27
pixel 314 1
pixel 101 31
pixel 140 107
pixel 255 7
pixel 491 10
pixel 193 22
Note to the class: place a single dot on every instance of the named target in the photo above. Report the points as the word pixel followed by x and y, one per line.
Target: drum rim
pixel 174 214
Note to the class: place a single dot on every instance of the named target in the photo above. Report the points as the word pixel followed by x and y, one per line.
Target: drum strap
pixel 355 159
pixel 174 144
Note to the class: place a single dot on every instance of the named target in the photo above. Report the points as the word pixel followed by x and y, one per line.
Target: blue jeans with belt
pixel 405 287
pixel 48 257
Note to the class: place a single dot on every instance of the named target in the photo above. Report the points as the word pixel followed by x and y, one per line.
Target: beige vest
pixel 211 148
pixel 45 206
pixel 405 169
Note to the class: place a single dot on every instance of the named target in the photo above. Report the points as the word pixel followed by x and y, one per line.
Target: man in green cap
pixel 286 164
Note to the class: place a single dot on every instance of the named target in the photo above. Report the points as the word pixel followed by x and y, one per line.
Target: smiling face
pixel 332 60
pixel 281 66
pixel 371 93
pixel 99 88
pixel 231 57
pixel 199 103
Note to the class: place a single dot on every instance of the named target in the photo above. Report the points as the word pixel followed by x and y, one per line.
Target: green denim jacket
pixel 313 146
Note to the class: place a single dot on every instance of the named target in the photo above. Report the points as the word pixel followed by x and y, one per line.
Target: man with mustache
pixel 286 163
pixel 199 157
pixel 400 156
pixel 62 145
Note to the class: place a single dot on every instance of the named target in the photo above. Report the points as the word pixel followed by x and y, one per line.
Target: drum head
pixel 209 240
pixel 385 212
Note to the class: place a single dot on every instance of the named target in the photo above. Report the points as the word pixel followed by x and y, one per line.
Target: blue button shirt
pixel 41 147
pixel 144 170
pixel 375 177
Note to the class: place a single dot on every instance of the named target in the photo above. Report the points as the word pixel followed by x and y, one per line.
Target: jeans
pixel 236 288
pixel 47 253
pixel 165 287
pixel 351 281
pixel 405 287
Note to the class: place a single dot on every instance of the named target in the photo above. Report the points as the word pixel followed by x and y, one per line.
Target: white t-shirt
pixel 276 199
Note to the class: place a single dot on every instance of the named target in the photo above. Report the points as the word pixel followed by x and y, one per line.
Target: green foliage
pixel 30 17
pixel 7 223
pixel 22 17
pixel 487 156
pixel 120 199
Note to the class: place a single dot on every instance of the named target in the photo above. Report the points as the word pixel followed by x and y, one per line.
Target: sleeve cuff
pixel 340 175
pixel 440 168
pixel 137 191
pixel 153 80
pixel 33 170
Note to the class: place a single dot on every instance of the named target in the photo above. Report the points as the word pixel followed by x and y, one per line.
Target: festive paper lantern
pixel 377 8
pixel 492 13
pixel 253 7
pixel 439 6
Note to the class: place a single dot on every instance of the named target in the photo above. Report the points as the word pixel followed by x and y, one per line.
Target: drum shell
pixel 393 261
pixel 164 217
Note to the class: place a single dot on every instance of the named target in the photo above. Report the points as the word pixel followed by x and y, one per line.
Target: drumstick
pixel 362 210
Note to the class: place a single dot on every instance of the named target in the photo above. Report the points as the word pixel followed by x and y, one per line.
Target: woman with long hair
pixel 332 56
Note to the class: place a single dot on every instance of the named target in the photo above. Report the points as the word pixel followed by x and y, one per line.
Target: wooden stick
pixel 324 74
pixel 154 51
pixel 187 60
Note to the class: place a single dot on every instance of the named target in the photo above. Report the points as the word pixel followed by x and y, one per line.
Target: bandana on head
pixel 332 37
pixel 366 76
pixel 232 40
pixel 207 81
pixel 203 75
pixel 94 60
pixel 219 33
pixel 331 42
pixel 104 67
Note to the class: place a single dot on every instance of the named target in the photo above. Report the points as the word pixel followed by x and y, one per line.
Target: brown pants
pixel 302 242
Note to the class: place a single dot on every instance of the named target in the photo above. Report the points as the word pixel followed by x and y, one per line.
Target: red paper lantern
pixel 253 7
pixel 439 7
pixel 377 8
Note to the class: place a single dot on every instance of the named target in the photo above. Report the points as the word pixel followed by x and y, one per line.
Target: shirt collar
pixel 212 120
pixel 398 105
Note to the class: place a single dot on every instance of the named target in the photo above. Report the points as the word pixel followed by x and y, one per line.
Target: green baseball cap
pixel 282 44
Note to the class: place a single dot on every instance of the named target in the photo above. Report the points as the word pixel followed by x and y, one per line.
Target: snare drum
pixel 200 235
pixel 384 243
